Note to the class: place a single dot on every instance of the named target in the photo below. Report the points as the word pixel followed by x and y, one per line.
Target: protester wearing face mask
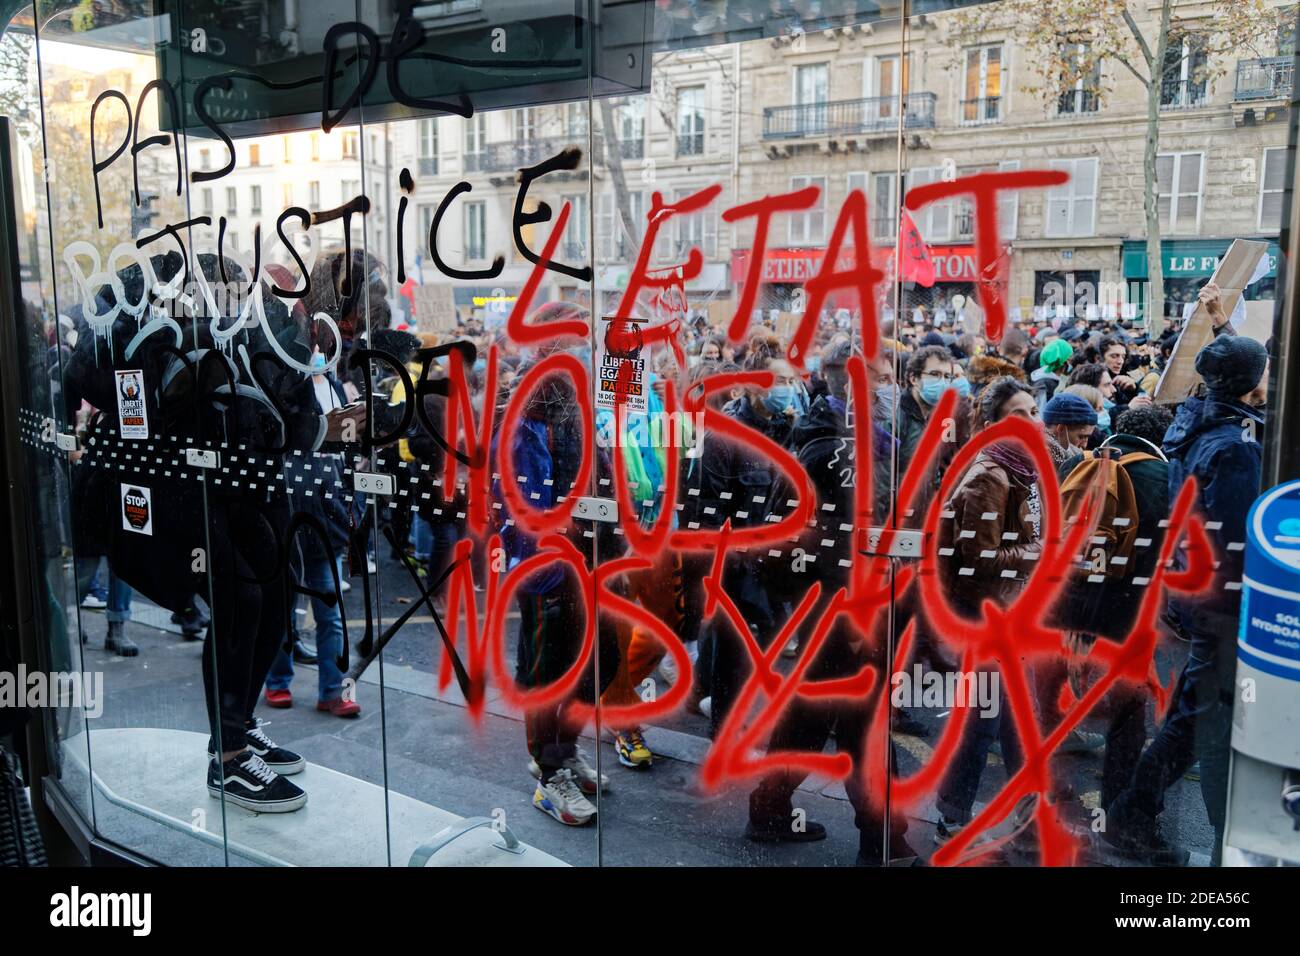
pixel 1216 441
pixel 884 390
pixel 930 372
pixel 1068 422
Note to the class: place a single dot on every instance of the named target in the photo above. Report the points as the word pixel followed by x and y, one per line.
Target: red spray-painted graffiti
pixel 1011 638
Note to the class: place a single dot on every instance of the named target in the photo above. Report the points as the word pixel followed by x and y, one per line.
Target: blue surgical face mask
pixel 480 366
pixel 1103 419
pixel 815 363
pixel 317 363
pixel 779 398
pixel 931 390
pixel 962 385
pixel 886 400
pixel 1107 403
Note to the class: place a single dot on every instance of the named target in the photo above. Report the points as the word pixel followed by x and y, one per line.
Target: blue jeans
pixel 329 634
pixel 1198 726
pixel 119 592
pixel 421 538
pixel 961 784
pixel 119 599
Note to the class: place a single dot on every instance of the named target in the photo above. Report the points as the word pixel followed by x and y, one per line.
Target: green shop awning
pixel 1186 258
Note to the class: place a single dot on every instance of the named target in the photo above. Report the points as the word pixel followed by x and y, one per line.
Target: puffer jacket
pixel 987 488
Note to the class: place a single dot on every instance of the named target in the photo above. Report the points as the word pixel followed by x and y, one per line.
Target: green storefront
pixel 1186 265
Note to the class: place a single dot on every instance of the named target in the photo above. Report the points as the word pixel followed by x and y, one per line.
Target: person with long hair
pixel 992 526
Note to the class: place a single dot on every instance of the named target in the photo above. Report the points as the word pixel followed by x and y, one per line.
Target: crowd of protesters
pixel 1089 388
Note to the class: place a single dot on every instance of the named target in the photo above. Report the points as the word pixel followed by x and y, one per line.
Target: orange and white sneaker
pixel 561 798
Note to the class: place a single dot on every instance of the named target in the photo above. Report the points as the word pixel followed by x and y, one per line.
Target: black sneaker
pixel 249 783
pixel 117 641
pixel 279 759
pixel 784 831
pixel 282 761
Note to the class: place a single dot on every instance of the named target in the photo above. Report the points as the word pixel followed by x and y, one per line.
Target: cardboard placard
pixel 435 308
pixel 1232 275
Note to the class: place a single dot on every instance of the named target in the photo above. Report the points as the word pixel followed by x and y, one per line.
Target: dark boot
pixel 118 642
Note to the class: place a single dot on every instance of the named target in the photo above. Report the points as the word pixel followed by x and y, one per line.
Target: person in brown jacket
pixel 993 525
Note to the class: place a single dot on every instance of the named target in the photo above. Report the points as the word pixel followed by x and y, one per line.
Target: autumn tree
pixel 1073 42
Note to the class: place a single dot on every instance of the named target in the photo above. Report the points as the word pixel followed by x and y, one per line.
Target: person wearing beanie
pixel 1068 420
pixel 1216 441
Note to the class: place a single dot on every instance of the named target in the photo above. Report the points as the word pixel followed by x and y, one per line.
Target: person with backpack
pixel 1105 595
pixel 1068 420
pixel 1215 440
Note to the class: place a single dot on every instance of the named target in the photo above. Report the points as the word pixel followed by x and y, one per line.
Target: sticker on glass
pixel 132 415
pixel 137 509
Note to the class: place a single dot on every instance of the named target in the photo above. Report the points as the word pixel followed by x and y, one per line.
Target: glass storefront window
pixel 648 435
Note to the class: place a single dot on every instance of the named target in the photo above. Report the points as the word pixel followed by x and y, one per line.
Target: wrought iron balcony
pixel 1270 78
pixel 870 115
pixel 1184 94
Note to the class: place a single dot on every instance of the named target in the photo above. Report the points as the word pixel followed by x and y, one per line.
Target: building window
pixel 475 143
pixel 255 199
pixel 982 85
pixel 1272 188
pixel 287 144
pixel 811 92
pixel 1080 81
pixel 206 196
pixel 426 223
pixel 575 230
pixel 1008 204
pixel 1185 82
pixel 935 220
pixel 349 145
pixel 808 226
pixel 631 128
pixel 612 235
pixel 232 201
pixel 885 81
pixel 1178 188
pixel 254 154
pixel 205 159
pixel 315 148
pixel 696 230
pixel 349 189
pixel 525 125
pixel 429 147
pixel 575 120
pixel 690 121
pixel 1072 206
pixel 313 194
pixel 475 230
pixel 286 193
pixel 882 203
